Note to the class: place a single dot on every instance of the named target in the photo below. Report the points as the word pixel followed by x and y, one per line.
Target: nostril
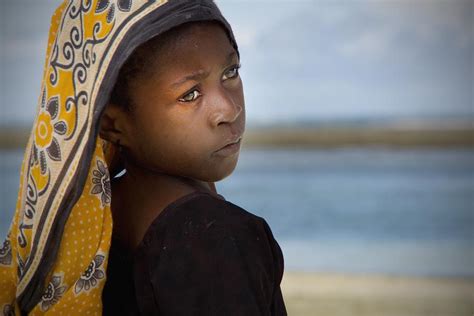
pixel 223 118
pixel 226 111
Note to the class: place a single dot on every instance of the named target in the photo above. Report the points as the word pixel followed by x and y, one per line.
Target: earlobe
pixel 112 124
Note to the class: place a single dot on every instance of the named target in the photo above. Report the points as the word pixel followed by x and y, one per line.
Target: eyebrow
pixel 200 74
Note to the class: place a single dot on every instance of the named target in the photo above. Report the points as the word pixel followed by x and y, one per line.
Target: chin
pixel 220 172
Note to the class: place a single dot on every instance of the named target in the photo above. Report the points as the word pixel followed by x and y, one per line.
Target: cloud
pixel 369 44
pixel 374 29
pixel 304 59
pixel 245 36
pixel 362 58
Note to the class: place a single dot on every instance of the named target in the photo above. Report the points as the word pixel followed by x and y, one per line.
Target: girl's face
pixel 189 108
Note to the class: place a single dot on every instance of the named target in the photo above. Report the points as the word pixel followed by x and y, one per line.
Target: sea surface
pixel 346 210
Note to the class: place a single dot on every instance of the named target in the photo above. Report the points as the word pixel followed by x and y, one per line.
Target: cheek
pixel 181 145
pixel 165 144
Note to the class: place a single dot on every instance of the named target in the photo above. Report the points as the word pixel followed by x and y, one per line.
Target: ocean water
pixel 360 210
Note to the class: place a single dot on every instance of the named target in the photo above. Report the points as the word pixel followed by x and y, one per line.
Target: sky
pixel 301 60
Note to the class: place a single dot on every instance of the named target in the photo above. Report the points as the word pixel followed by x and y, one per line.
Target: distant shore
pixel 307 293
pixel 359 136
pixel 316 137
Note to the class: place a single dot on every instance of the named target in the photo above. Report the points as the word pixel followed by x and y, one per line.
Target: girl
pixel 150 90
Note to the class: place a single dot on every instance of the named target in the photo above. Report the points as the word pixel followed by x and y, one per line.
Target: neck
pixel 159 183
pixel 140 195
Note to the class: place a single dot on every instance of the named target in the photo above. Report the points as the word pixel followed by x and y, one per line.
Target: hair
pixel 141 61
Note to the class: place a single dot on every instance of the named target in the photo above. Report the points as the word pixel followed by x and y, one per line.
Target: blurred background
pixel 359 149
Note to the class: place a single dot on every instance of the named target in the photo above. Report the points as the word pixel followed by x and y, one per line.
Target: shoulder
pixel 203 213
pixel 202 204
pixel 215 257
pixel 202 224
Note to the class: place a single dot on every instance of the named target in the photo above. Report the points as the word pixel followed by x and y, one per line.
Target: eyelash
pixel 234 67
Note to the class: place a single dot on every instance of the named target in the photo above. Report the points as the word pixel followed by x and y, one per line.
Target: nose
pixel 226 107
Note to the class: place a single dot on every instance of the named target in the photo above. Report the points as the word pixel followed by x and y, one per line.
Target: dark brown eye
pixel 193 95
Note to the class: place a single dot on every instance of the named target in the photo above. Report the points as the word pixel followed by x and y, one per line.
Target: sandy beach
pixel 340 294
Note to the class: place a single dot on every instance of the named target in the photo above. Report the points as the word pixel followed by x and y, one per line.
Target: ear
pixel 113 124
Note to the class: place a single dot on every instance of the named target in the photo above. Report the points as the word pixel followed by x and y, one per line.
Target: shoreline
pixel 321 137
pixel 327 137
pixel 317 293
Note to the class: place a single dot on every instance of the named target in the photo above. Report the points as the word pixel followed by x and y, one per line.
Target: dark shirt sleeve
pixel 218 260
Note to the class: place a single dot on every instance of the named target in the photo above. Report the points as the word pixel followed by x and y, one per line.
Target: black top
pixel 201 256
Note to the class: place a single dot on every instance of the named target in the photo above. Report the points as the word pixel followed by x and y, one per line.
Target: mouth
pixel 231 148
pixel 233 142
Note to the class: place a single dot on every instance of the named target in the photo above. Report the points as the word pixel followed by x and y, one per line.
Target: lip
pixel 230 149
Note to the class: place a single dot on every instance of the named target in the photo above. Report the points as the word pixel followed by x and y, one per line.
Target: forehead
pixel 191 38
pixel 197 46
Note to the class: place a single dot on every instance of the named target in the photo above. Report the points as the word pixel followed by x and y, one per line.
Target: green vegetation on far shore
pixel 359 136
pixel 13 138
pixel 314 137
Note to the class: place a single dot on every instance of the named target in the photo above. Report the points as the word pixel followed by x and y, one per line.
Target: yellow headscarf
pixel 54 259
